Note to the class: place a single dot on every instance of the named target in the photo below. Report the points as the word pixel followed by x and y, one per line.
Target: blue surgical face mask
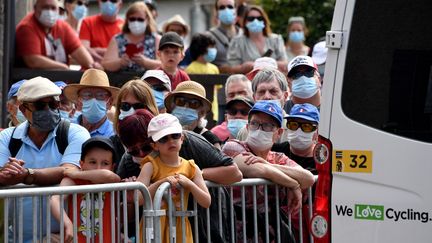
pixel 304 87
pixel 94 110
pixel 234 126
pixel 79 12
pixel 108 8
pixel 74 118
pixel 64 115
pixel 210 56
pixel 256 26
pixel 185 115
pixel 20 116
pixel 159 97
pixel 227 16
pixel 296 36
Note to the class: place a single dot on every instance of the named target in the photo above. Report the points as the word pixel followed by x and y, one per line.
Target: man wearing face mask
pixel 95 95
pixel 15 115
pixel 161 86
pixel 237 110
pixel 224 32
pixel 67 107
pixel 304 82
pixel 31 154
pixel 97 31
pixel 264 127
pixel 43 42
pixel 302 124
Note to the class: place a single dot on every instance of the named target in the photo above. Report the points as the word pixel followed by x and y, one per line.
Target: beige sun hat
pixel 37 88
pixel 190 88
pixel 176 19
pixel 91 78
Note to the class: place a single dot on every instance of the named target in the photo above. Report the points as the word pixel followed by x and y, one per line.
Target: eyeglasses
pixel 124 106
pixel 297 74
pixel 266 127
pixel 252 18
pixel 133 19
pixel 305 126
pixel 144 148
pixel 233 112
pixel 174 136
pixel 40 105
pixel 192 103
pixel 98 95
pixel 82 3
pixel 222 7
pixel 113 1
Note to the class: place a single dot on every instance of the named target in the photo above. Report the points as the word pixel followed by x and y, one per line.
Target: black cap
pixel 246 100
pixel 97 142
pixel 170 38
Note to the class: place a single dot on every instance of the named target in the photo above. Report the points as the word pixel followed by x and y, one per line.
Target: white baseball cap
pixel 301 61
pixel 160 75
pixel 162 125
pixel 319 53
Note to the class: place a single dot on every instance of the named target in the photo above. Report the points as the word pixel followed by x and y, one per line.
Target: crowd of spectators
pixel 270 121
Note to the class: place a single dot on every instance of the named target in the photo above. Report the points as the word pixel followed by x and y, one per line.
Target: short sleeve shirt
pixel 99 32
pixel 200 68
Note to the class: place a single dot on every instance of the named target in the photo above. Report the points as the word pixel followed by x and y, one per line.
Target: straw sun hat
pixel 92 78
pixel 190 88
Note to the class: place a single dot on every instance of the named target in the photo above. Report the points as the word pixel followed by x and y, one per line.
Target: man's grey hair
pixel 267 75
pixel 237 78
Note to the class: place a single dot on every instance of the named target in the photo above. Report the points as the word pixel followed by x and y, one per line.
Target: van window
pixel 388 73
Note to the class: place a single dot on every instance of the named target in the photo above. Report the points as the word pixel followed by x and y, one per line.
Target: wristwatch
pixel 30 177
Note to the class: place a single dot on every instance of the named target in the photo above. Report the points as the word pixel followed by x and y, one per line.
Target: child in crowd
pixel 96 168
pixel 203 52
pixel 171 53
pixel 165 165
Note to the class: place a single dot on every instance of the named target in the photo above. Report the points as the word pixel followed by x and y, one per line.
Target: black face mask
pixel 45 120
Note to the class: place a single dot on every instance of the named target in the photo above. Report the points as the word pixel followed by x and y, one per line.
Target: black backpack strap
pixel 14 144
pixel 62 135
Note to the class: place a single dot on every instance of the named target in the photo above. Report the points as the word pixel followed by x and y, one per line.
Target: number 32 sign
pixel 356 161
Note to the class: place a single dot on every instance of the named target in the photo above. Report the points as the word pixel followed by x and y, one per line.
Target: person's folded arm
pixel 43 62
pixel 224 175
pixel 83 57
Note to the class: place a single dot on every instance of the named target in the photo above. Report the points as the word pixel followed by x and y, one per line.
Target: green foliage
pixel 317 13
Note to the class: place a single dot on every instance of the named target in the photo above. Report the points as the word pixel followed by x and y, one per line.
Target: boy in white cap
pixel 165 165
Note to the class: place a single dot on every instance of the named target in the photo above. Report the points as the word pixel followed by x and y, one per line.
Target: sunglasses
pixel 40 105
pixel 174 136
pixel 297 74
pixel 113 1
pixel 222 7
pixel 159 88
pixel 79 3
pixel 266 127
pixel 124 106
pixel 233 112
pixel 133 19
pixel 252 18
pixel 144 148
pixel 192 103
pixel 305 126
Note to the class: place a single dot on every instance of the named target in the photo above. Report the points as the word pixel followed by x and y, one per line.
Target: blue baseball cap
pixel 304 111
pixel 14 89
pixel 270 108
pixel 60 84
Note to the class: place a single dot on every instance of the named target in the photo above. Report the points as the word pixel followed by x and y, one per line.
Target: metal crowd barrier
pixel 117 194
pixel 251 184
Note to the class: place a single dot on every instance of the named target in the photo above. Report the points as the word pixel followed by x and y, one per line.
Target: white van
pixel 374 155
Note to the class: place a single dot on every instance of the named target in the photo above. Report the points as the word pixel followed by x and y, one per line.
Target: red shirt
pixel 30 37
pixel 177 78
pixel 98 31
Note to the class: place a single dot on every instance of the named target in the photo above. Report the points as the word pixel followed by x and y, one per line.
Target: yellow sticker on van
pixel 355 161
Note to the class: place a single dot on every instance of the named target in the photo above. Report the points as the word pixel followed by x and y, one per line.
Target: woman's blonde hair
pixel 140 7
pixel 142 92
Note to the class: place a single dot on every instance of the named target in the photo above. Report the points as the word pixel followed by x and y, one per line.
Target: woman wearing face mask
pixel 189 104
pixel 135 48
pixel 256 41
pixel 203 52
pixel 76 10
pixel 264 127
pixel 297 32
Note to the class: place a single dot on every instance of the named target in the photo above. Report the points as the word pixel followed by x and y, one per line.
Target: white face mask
pixel 136 27
pixel 48 18
pixel 259 140
pixel 123 114
pixel 299 139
